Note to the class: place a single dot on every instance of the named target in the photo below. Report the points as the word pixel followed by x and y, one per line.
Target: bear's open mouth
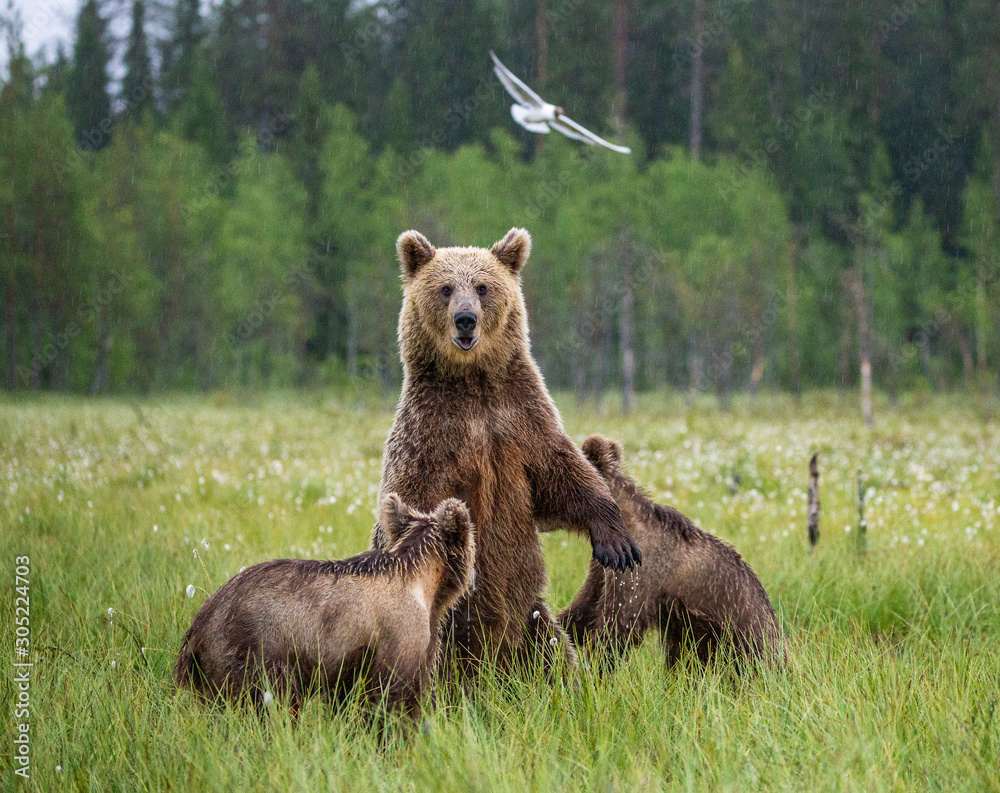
pixel 465 342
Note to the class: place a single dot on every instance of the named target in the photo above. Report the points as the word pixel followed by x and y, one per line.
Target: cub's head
pixel 447 532
pixel 462 305
pixel 604 454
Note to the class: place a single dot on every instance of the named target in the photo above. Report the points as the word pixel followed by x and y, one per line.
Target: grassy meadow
pixel 894 675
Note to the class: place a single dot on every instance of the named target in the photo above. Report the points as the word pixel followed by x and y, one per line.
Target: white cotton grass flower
pixel 155 528
pixel 535 615
pixel 58 769
pixel 268 698
pixel 114 664
pixel 111 612
pixel 190 590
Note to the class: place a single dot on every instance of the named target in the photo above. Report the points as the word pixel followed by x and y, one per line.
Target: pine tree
pixel 57 73
pixel 307 139
pixel 697 78
pixel 40 229
pixel 87 92
pixel 580 60
pixel 15 103
pixel 137 86
pixel 453 93
pixel 333 31
pixel 238 64
pixel 200 116
pixel 658 76
pixel 179 52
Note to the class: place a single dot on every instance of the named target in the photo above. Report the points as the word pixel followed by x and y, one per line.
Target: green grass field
pixel 894 676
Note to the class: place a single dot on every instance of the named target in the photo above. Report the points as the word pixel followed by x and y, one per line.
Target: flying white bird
pixel 536 115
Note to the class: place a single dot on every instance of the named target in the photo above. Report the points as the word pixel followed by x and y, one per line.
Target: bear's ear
pixel 604 454
pixel 394 516
pixel 414 251
pixel 513 250
pixel 453 517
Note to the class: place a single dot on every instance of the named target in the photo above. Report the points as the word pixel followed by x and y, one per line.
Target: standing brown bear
pixel 693 587
pixel 475 422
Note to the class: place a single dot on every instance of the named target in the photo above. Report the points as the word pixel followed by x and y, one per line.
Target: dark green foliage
pixel 199 116
pixel 307 139
pixel 243 232
pixel 87 94
pixel 137 86
pixel 43 226
pixel 179 52
pixel 441 56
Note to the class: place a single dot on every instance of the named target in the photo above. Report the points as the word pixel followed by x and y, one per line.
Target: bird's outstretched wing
pixel 569 132
pixel 517 89
pixel 571 129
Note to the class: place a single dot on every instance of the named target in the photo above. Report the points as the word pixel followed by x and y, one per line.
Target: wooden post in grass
pixel 813 515
pixel 862 521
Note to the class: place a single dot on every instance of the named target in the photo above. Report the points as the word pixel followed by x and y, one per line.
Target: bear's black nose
pixel 465 322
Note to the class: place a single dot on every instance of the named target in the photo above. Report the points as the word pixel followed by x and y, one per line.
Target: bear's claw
pixel 619 556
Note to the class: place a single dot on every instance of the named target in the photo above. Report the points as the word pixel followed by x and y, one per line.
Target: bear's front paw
pixel 618 554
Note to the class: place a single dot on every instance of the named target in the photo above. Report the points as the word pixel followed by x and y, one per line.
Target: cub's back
pixel 305 604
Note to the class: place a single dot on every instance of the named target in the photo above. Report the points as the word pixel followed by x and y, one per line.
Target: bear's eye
pixel 446 291
pixel 481 290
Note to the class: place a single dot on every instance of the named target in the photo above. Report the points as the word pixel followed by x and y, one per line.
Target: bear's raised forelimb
pixel 566 489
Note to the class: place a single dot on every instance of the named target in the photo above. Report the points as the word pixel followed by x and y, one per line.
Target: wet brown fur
pixel 289 626
pixel 692 586
pixel 479 425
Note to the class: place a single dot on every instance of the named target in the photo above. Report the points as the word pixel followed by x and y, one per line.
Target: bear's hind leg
pixel 547 640
pixel 585 615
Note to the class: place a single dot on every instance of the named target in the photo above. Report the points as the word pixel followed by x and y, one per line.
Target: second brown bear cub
pixel 291 625
pixel 692 586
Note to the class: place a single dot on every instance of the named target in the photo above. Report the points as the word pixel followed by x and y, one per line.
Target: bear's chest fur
pixel 471 442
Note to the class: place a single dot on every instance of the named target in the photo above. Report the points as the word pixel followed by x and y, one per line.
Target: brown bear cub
pixel 294 625
pixel 692 586
pixel 475 422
